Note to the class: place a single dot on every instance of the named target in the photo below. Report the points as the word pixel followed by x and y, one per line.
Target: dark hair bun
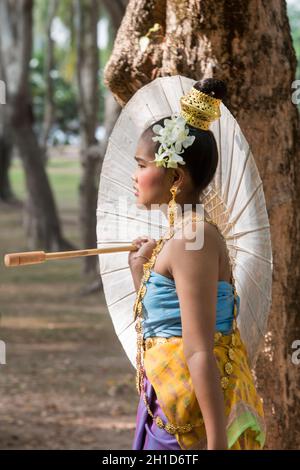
pixel 212 87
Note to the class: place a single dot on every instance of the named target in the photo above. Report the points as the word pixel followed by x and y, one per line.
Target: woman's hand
pixel 145 246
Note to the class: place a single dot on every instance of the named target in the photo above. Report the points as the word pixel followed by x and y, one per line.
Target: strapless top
pixel 161 309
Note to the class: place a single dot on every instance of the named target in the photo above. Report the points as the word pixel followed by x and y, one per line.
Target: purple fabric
pixel 148 436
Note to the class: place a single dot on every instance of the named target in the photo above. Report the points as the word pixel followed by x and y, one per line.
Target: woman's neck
pixel 186 212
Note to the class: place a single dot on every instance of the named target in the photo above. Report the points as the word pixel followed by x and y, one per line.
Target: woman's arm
pixel 136 268
pixel 137 258
pixel 195 272
pixel 206 380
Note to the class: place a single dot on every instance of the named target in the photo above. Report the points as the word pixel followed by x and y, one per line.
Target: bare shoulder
pixel 202 231
pixel 194 249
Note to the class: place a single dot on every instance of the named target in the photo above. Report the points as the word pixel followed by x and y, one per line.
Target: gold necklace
pixel 137 309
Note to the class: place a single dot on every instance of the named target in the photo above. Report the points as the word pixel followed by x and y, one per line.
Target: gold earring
pixel 172 206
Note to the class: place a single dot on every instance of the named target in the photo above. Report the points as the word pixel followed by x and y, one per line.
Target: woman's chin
pixel 141 203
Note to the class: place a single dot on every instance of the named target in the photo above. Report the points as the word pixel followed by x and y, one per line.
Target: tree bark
pixel 92 154
pixel 86 19
pixel 49 112
pixel 248 44
pixel 43 227
pixel 6 192
pixel 129 67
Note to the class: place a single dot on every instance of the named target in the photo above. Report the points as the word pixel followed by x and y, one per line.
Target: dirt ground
pixel 67 382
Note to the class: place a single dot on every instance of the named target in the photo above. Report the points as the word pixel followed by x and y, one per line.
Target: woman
pixel 193 376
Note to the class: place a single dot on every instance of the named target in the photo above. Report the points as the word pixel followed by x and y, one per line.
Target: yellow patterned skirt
pixel 166 369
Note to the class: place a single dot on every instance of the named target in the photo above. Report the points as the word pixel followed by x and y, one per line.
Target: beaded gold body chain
pixel 137 309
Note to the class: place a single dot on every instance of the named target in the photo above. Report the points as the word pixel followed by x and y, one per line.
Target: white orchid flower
pixel 174 137
pixel 168 158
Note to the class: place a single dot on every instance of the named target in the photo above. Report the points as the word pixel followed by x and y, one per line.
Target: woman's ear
pixel 178 176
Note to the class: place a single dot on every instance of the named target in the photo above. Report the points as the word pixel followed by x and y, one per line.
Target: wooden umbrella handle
pixel 35 257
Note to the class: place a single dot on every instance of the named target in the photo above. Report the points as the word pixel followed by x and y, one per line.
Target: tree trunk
pixel 43 225
pixel 86 17
pixel 248 44
pixel 112 111
pixel 130 67
pixel 6 192
pixel 49 112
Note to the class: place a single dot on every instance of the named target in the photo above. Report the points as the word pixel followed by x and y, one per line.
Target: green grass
pixel 64 177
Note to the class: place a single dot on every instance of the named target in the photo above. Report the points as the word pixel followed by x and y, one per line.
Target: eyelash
pixel 140 166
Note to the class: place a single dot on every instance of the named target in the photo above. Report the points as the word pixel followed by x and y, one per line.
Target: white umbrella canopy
pixel 234 200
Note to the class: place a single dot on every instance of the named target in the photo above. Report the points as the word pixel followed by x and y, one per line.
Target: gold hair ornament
pixel 198 110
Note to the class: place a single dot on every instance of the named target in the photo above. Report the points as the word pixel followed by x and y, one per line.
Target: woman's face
pixel 152 183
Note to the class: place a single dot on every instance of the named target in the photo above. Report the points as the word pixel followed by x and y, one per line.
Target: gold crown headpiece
pixel 199 109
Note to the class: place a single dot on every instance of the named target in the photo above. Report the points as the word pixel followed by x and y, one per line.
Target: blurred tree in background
pixel 58 97
pixel 41 218
pixel 65 129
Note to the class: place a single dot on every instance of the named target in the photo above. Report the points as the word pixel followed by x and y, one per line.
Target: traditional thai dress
pixel 168 384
